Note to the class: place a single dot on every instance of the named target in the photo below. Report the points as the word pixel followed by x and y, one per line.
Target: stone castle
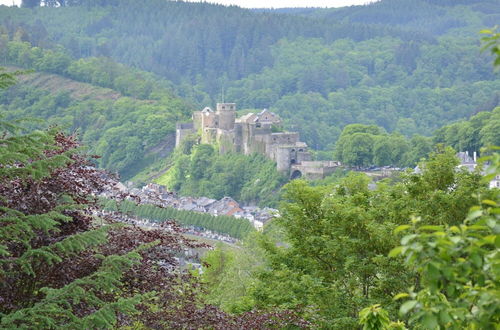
pixel 255 133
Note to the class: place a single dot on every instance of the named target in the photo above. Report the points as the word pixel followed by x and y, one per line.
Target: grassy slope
pixel 56 84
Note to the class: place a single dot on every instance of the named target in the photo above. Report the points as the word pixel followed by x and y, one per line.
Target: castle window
pixel 300 150
pixel 223 107
pixel 293 150
pixel 257 125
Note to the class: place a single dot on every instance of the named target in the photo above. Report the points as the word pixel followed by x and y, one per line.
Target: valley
pixel 189 165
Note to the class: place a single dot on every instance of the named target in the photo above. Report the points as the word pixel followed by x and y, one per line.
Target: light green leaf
pixel 429 322
pixel 489 202
pixel 407 306
pixel 395 252
pixel 400 296
pixel 431 228
pixel 407 239
pixel 474 214
pixel 401 228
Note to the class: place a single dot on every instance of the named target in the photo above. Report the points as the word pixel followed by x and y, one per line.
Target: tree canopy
pixel 329 251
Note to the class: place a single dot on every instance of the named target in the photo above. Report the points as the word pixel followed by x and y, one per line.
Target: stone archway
pixel 296 174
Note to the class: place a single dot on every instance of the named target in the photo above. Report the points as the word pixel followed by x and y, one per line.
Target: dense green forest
pixel 471 135
pixel 409 66
pixel 397 82
pixel 320 87
pixel 129 122
pixel 322 70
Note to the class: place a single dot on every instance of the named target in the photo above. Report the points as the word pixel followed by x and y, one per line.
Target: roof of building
pixel 224 206
pixel 465 158
pixel 205 201
pixel 264 111
pixel 249 117
pixel 272 114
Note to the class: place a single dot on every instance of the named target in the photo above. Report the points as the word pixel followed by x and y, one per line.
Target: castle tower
pixel 208 118
pixel 226 112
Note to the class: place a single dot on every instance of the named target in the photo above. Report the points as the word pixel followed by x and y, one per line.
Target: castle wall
pixel 209 136
pixel 313 170
pixel 257 146
pixel 182 131
pixel 303 156
pixel 238 137
pixel 226 120
pixel 264 129
pixel 271 149
pixel 197 119
pixel 225 139
pixel 287 138
pixel 253 139
pixel 267 116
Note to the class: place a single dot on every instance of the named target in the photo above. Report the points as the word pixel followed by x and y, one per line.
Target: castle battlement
pixel 254 133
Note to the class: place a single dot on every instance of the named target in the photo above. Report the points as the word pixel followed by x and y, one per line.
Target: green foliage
pixel 60 269
pixel 234 227
pixel 481 130
pixel 329 250
pixel 126 132
pixel 376 318
pixel 32 241
pixel 387 64
pixel 229 276
pixel 358 150
pixel 55 310
pixel 457 266
pixel 248 179
pixel 6 79
pixel 362 145
pixel 362 82
pixel 491 42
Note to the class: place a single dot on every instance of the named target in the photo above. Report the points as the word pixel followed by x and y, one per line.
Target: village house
pixel 226 206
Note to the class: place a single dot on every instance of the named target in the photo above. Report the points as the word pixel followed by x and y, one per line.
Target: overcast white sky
pixel 267 3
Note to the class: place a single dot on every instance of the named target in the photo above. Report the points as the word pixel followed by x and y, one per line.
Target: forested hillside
pixel 124 115
pixel 406 87
pixel 408 65
pixel 397 82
